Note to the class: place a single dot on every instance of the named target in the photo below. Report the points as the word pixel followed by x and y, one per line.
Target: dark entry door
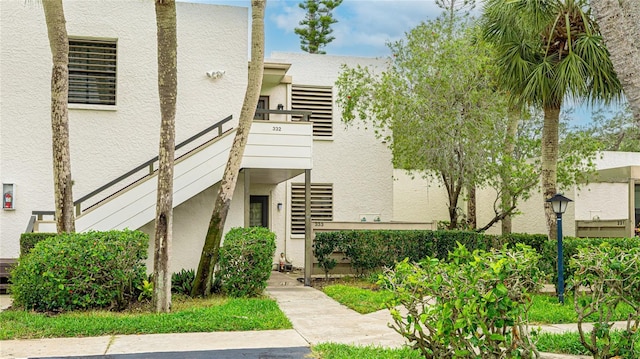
pixel 259 211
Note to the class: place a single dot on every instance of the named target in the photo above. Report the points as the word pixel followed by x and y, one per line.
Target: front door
pixel 259 211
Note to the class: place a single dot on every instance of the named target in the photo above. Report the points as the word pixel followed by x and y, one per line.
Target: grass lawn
pixel 187 315
pixel 365 297
pixel 343 351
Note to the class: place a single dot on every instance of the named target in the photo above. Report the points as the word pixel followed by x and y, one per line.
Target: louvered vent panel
pixel 321 204
pixel 318 100
pixel 92 71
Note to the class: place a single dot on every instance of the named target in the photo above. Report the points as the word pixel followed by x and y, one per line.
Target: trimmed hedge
pixel 29 240
pixel 374 249
pixel 246 259
pixel 81 271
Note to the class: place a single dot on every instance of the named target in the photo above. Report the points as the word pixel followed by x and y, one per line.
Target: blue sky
pixel 364 28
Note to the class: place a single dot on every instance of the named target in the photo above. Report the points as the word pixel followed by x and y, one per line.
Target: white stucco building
pixel 114 120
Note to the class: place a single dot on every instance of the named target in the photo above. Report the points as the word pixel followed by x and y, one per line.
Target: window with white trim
pixel 318 100
pixel 92 71
pixel 321 204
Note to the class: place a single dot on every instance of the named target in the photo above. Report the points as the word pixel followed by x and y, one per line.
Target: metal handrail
pixel 37 215
pixel 77 203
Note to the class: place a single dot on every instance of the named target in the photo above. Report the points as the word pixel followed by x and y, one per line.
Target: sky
pixel 364 28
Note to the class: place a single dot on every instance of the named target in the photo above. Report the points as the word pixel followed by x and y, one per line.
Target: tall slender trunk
pixel 550 164
pixel 508 149
pixel 472 221
pixel 168 92
pixel 59 43
pixel 209 258
pixel 619 22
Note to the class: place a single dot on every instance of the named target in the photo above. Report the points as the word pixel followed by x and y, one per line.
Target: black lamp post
pixel 559 204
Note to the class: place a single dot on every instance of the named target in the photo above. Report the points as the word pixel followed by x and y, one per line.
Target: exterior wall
pixel 358 164
pixel 419 199
pixel 190 224
pixel 108 141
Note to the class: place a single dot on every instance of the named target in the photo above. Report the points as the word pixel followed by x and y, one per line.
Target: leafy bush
pixel 612 276
pixel 246 259
pixel 81 270
pixel 182 282
pixel 473 301
pixel 571 246
pixel 29 240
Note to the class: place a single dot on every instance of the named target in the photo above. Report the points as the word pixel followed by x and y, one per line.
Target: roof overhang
pixel 275 73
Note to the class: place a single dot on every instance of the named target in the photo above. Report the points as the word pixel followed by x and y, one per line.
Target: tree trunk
pixel 508 150
pixel 619 22
pixel 167 91
pixel 550 164
pixel 209 258
pixel 59 43
pixel 472 221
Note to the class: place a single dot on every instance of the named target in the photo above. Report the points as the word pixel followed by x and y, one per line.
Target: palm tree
pixel 619 22
pixel 210 251
pixel 59 43
pixel 550 51
pixel 168 91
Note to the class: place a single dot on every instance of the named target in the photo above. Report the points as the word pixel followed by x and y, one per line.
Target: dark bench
pixel 5 269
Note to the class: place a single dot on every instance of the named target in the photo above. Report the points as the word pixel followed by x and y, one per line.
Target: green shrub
pixel 611 275
pixel 370 250
pixel 473 301
pixel 570 247
pixel 81 270
pixel 182 282
pixel 246 259
pixel 29 240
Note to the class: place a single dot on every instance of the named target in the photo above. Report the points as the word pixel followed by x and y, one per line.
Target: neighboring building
pixel 115 123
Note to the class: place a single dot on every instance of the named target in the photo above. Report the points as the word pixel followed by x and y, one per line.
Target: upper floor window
pixel 318 100
pixel 92 71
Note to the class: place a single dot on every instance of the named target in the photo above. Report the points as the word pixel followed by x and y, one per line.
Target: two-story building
pixel 114 118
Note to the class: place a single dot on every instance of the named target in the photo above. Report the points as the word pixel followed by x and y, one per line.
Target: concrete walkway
pixel 316 318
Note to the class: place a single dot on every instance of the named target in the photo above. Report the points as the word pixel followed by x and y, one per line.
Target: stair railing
pixel 150 164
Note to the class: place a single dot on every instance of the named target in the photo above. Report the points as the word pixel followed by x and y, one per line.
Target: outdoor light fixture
pixel 215 74
pixel 279 206
pixel 559 204
pixel 280 107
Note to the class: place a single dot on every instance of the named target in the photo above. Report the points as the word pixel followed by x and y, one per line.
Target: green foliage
pixel 611 275
pixel 614 131
pixel 81 271
pixel 435 104
pixel 146 290
pixel 187 315
pixel 29 240
pixel 474 301
pixel 182 282
pixel 315 28
pixel 571 245
pixel 370 250
pixel 569 343
pixel 344 351
pixel 548 52
pixel 361 300
pixel 545 309
pixel 246 259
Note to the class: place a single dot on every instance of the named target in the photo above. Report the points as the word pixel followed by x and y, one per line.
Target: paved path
pixel 316 318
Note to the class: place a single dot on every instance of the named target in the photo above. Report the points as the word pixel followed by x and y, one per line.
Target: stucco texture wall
pixel 358 164
pixel 109 140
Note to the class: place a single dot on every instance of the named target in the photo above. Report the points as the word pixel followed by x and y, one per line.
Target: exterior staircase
pixel 130 200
